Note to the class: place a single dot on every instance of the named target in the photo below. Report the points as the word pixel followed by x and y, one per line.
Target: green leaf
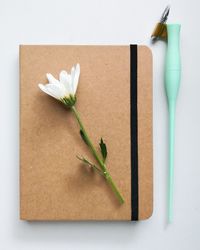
pixel 103 149
pixel 83 137
pixel 86 162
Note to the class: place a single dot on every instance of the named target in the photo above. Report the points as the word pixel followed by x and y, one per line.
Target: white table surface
pixel 105 22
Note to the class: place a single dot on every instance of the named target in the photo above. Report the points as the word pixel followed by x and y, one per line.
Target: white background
pixel 105 22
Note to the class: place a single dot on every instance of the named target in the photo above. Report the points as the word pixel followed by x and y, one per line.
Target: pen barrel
pixel 171 160
pixel 172 82
pixel 173 62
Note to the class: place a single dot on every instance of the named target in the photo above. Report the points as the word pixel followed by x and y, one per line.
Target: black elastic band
pixel 134 133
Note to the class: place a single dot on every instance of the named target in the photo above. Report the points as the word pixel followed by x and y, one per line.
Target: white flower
pixel 65 88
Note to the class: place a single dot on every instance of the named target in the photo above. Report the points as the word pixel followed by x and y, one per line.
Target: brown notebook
pixel 114 98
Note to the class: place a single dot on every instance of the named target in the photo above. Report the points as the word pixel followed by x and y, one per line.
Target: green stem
pixel 98 159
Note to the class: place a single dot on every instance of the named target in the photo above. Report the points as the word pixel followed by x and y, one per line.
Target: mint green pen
pixel 171 32
pixel 172 82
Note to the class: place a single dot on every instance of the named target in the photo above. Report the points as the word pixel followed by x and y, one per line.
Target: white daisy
pixel 65 88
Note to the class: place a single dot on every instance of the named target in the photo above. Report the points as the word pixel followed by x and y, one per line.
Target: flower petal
pixel 76 78
pixel 43 88
pixel 52 79
pixel 57 91
pixel 63 76
pixel 66 80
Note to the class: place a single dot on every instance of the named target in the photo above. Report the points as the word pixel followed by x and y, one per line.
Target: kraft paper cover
pixel 54 185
